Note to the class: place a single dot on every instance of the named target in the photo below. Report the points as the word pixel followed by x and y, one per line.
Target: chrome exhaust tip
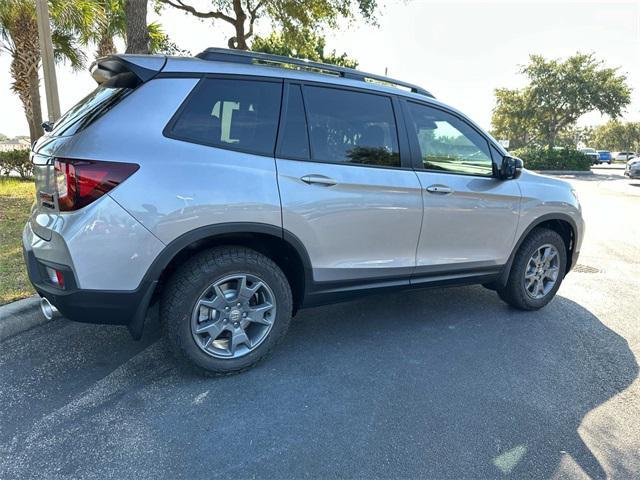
pixel 48 310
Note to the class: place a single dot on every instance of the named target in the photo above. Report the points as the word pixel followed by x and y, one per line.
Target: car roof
pixel 197 65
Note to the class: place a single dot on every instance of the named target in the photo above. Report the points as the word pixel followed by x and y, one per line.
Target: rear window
pixel 352 127
pixel 88 110
pixel 233 114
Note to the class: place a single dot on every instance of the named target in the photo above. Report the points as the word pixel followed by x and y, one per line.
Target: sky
pixel 458 50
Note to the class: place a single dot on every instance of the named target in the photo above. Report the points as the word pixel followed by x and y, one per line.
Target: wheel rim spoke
pixel 214 329
pixel 217 303
pixel 245 292
pixel 258 314
pixel 238 337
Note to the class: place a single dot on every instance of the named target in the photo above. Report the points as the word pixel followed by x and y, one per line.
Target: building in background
pixel 14 144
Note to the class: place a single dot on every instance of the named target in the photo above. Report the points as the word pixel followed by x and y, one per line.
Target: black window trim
pixel 167 130
pixel 416 157
pixel 283 115
pixel 405 157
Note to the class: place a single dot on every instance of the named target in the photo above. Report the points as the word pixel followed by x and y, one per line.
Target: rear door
pixel 470 216
pixel 347 188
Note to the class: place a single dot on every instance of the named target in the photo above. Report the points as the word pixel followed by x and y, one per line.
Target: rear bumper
pixel 122 307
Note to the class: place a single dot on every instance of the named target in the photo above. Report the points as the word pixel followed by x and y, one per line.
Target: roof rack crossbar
pixel 246 57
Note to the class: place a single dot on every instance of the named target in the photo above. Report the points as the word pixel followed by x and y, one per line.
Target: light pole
pixel 48 66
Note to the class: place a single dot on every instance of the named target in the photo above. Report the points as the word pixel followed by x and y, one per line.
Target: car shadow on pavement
pixel 446 383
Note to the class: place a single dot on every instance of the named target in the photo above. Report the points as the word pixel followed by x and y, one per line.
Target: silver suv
pixel 236 188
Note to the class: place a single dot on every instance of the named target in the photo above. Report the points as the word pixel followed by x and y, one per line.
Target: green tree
pixel 558 94
pixel 310 46
pixel 71 24
pixel 617 136
pixel 294 18
pixel 512 119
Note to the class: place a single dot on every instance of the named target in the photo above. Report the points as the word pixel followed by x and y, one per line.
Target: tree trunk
pixel 105 46
pixel 24 70
pixel 36 108
pixel 239 42
pixel 137 31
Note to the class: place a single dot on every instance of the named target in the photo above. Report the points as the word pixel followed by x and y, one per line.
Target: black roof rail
pixel 247 57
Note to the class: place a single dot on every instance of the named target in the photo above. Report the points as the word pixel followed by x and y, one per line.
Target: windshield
pixel 87 110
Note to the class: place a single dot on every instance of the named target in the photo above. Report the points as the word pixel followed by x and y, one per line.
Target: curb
pixel 20 316
pixel 610 167
pixel 564 172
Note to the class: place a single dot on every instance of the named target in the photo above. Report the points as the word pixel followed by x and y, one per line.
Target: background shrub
pixel 17 161
pixel 542 158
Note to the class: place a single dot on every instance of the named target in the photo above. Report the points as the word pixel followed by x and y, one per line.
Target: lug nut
pixel 225 320
pixel 238 304
pixel 236 324
pixel 244 315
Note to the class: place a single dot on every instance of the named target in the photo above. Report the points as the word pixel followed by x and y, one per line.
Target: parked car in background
pixel 235 193
pixel 592 154
pixel 632 170
pixel 604 156
pixel 624 156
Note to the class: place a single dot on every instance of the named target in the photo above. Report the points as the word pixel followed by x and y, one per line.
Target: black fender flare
pixel 150 280
pixel 504 275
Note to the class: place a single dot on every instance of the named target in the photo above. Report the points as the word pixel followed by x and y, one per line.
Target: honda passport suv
pixel 235 188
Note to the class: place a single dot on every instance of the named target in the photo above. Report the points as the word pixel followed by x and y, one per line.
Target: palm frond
pixel 67 49
pixel 81 17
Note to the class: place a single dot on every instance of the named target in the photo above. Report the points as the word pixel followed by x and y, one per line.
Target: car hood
pixel 542 179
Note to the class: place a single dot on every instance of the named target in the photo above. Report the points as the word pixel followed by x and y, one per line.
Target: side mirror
pixel 511 167
pixel 47 126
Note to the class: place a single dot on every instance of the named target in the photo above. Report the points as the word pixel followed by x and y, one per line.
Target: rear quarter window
pixel 230 113
pixel 87 110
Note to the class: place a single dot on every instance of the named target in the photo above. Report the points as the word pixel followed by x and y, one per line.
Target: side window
pixel 346 126
pixel 235 114
pixel 447 143
pixel 294 141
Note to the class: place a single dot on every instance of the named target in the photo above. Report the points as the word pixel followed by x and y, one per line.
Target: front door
pixel 344 190
pixel 470 216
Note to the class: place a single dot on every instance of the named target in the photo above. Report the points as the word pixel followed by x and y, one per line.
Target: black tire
pixel 192 278
pixel 515 293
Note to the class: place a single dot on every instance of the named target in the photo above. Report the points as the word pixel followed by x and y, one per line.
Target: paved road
pixel 446 383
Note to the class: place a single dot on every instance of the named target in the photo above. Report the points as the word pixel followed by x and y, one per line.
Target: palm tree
pixel 114 26
pixel 130 26
pixel 72 22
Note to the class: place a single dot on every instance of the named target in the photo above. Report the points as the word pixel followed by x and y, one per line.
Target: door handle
pixel 318 180
pixel 441 189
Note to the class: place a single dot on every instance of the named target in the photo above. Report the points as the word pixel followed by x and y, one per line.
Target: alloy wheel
pixel 233 316
pixel 541 273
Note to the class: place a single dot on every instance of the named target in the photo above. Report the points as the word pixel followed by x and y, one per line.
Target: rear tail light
pixel 80 182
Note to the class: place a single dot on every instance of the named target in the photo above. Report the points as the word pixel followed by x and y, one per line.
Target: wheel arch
pixel 563 224
pixel 284 248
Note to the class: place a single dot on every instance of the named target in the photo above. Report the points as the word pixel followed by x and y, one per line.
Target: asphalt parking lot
pixel 443 383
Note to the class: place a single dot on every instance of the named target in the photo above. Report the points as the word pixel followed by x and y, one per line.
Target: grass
pixel 16 198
